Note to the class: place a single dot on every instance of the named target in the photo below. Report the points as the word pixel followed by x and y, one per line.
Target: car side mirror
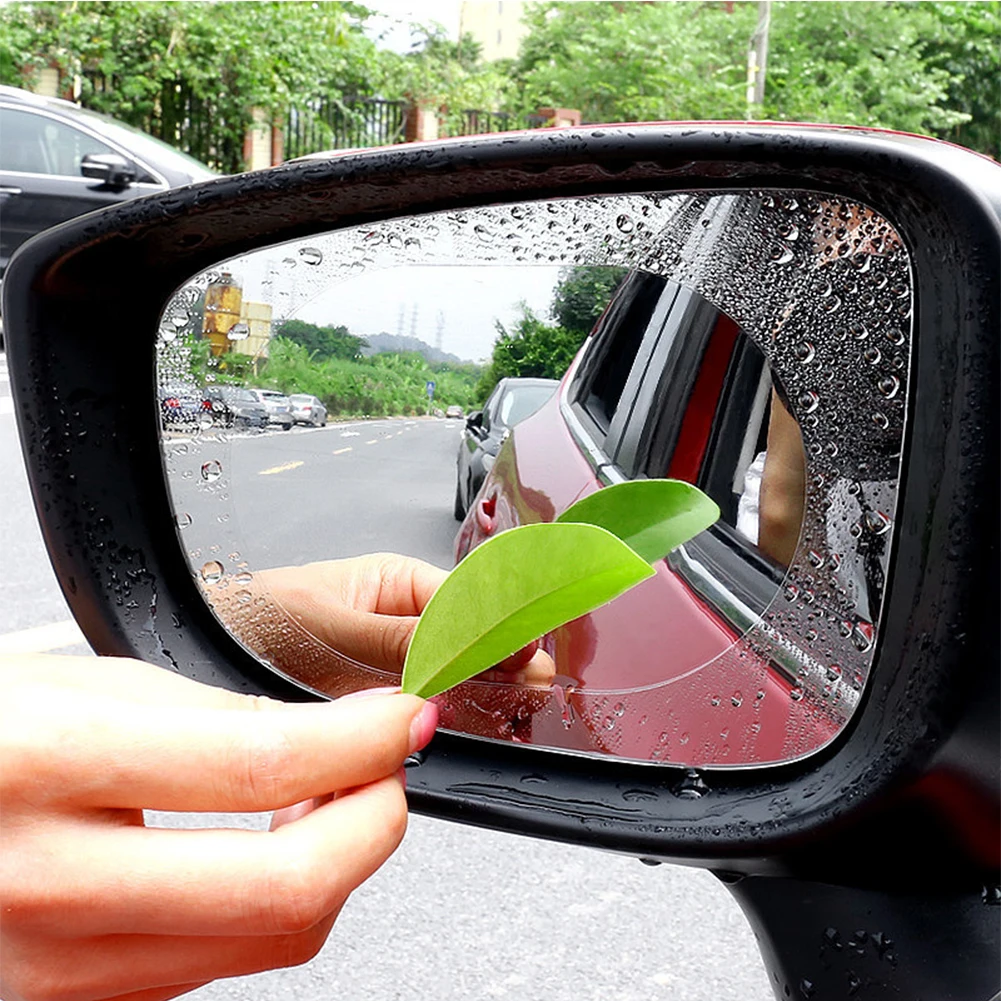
pixel 474 421
pixel 827 712
pixel 109 168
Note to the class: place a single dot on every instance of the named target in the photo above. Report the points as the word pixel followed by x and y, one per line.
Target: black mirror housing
pixel 927 730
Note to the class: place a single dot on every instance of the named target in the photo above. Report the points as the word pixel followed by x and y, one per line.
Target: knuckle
pixel 299 949
pixel 297 898
pixel 261 767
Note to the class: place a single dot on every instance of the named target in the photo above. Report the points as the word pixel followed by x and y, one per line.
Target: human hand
pixel 95 905
pixel 367 607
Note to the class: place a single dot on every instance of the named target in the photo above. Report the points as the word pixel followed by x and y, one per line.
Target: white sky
pixel 391 28
pixel 469 299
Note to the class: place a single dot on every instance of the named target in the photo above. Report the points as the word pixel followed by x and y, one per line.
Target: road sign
pixel 430 389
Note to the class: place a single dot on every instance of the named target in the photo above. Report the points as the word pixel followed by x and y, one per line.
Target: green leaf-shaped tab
pixel 511 590
pixel 651 516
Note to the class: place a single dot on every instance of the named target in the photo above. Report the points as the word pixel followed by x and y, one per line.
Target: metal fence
pixel 322 123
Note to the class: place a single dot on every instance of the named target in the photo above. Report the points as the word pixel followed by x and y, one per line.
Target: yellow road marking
pixel 42 638
pixel 283 468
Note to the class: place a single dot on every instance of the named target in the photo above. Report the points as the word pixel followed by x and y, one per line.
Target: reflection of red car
pixel 667 385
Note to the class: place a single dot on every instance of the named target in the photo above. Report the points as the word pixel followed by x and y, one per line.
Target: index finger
pixel 103 753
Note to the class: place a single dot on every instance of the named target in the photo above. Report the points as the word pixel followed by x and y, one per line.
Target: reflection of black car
pixel 511 401
pixel 235 406
pixel 58 160
pixel 181 406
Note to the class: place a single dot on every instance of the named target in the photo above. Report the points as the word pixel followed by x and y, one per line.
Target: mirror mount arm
pixel 819 940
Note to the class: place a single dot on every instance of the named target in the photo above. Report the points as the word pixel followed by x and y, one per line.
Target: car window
pixel 38 144
pixel 605 386
pixel 522 402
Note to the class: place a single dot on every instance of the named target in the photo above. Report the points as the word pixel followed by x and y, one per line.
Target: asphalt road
pixel 457 913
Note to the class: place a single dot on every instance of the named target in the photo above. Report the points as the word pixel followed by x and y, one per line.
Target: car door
pixel 40 180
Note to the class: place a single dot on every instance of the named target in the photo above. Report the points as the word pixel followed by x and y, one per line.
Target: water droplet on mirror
pixel 880 420
pixel 872 355
pixel 243 597
pixel 211 470
pixel 808 401
pixel 863 636
pixel 895 336
pixel 212 572
pixel 888 385
pixel 804 352
pixel 779 253
pixel 796 693
pixel 736 700
pixel 244 577
pixel 311 255
pixel 877 522
pixel 239 331
pixel 626 224
pixel 182 520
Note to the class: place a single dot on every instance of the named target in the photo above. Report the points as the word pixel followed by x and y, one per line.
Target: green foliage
pixel 534 348
pixel 384 385
pixel 582 295
pixel 450 76
pixel 323 342
pixel 922 67
pixel 150 63
pixel 530 348
pixel 858 63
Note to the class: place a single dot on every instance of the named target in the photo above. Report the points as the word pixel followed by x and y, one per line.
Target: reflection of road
pixel 344 490
pixel 438 900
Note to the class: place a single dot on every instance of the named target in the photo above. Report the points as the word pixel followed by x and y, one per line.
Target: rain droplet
pixel 212 572
pixel 791 592
pixel 815 558
pixel 888 385
pixel 877 522
pixel 808 401
pixel 311 255
pixel 239 331
pixel 736 699
pixel 625 223
pixel 862 636
pixel 182 520
pixel 243 577
pixel 895 336
pixel 796 693
pixel 880 420
pixel 780 254
pixel 211 470
pixel 859 331
pixel 804 352
pixel 243 597
pixel 872 355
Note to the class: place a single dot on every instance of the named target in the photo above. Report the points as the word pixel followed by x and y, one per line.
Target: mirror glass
pixel 418 385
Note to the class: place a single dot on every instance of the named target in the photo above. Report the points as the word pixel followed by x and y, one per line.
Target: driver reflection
pixel 771 508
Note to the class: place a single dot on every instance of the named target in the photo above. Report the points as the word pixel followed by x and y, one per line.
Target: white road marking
pixel 6 405
pixel 341 451
pixel 39 639
pixel 283 468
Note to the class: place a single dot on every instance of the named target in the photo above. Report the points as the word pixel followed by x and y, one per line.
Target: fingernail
pixel 391 690
pixel 422 726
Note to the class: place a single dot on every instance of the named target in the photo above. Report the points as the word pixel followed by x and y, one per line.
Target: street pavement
pixel 457 913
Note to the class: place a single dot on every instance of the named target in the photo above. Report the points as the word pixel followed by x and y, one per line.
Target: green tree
pixel 582 295
pixel 324 342
pixel 920 67
pixel 529 348
pixel 149 63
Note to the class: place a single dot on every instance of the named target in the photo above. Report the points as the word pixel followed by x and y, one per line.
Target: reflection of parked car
pixel 511 401
pixel 308 410
pixel 58 160
pixel 233 406
pixel 277 405
pixel 454 411
pixel 181 405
